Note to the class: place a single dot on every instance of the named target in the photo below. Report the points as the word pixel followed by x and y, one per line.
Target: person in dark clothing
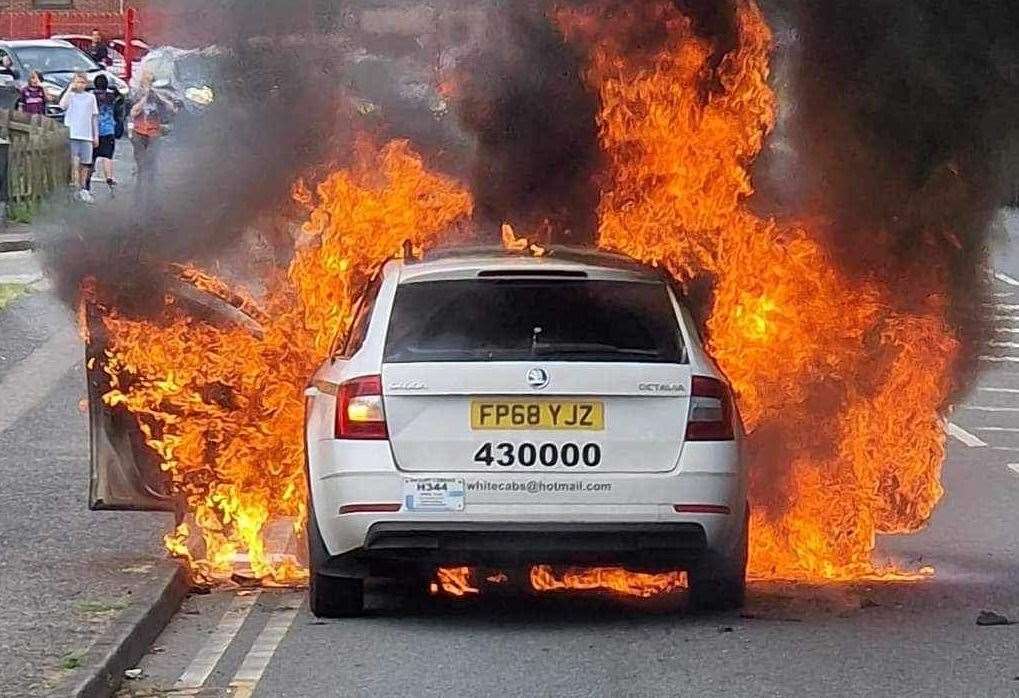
pixel 110 113
pixel 32 99
pixel 100 50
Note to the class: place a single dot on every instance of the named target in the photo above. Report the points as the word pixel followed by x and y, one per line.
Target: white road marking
pixel 1004 345
pixel 1014 467
pixel 1008 391
pixel 246 679
pixel 1005 278
pixel 1006 430
pixel 198 671
pixel 1006 306
pixel 1007 330
pixel 1005 449
pixel 28 383
pixel 1000 359
pixel 983 408
pixel 964 436
pixel 17 256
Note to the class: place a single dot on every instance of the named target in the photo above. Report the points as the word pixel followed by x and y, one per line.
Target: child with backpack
pixel 109 117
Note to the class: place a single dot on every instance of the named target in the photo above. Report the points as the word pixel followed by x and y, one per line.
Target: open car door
pixel 125 472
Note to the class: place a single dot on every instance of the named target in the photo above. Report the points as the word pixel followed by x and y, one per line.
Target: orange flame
pixel 839 385
pixel 455 581
pixel 840 390
pixel 222 408
pixel 611 579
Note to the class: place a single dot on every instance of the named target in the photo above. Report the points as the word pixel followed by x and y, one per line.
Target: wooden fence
pixel 38 157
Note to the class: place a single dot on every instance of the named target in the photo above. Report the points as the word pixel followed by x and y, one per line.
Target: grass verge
pixel 10 293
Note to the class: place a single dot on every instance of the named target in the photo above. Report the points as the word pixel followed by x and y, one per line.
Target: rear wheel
pixel 721 585
pixel 335 597
pixel 717 593
pixel 329 597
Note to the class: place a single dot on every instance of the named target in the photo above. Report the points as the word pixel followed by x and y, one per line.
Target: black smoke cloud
pixel 280 113
pixel 899 115
pixel 524 99
pixel 896 115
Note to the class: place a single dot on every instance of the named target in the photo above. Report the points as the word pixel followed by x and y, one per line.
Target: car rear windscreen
pixel 550 320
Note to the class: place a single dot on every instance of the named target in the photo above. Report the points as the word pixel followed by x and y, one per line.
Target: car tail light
pixel 360 413
pixel 711 411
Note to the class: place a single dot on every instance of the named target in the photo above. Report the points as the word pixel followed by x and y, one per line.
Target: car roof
pixel 35 43
pixel 453 263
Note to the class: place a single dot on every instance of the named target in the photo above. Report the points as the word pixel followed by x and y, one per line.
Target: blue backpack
pixel 107 112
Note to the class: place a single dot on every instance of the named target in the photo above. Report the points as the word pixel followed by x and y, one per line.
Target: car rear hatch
pixel 551 373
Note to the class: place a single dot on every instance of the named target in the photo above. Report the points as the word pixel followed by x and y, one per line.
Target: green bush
pixel 22 211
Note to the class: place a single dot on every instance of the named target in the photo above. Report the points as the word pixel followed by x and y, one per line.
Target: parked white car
pixel 501 410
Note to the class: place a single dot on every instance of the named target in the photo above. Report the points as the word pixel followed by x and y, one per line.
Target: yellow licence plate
pixel 563 415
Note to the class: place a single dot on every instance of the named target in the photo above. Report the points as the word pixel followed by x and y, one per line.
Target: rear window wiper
pixel 591 348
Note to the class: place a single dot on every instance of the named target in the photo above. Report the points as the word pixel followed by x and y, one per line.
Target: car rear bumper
pixel 628 520
pixel 654 546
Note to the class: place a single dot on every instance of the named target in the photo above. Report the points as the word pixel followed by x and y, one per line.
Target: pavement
pixel 73 582
pixel 66 574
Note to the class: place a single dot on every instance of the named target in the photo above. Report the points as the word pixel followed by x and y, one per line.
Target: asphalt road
pixel 904 639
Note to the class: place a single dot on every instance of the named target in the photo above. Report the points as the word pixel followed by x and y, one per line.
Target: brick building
pixel 23 19
pixel 64 5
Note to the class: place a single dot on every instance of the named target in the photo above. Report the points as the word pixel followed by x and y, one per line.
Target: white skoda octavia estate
pixel 502 410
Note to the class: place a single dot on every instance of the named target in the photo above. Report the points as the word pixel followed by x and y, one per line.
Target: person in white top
pixel 81 117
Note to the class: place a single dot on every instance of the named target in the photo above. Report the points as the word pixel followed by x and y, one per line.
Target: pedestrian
pixel 81 117
pixel 110 115
pixel 100 50
pixel 32 99
pixel 149 114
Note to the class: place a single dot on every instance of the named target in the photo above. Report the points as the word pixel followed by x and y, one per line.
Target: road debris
pixel 991 618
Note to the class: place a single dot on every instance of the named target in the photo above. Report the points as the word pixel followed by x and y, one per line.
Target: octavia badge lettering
pixel 537 378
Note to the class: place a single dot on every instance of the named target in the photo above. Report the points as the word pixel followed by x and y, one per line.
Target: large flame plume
pixel 223 407
pixel 840 390
pixel 840 386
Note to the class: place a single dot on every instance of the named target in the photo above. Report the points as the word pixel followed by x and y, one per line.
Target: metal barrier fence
pixel 38 156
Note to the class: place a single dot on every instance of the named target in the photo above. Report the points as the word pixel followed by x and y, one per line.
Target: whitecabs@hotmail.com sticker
pixel 433 494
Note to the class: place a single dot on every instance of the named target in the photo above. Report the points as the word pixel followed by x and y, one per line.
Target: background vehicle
pixel 501 410
pixel 117 47
pixel 83 42
pixel 57 61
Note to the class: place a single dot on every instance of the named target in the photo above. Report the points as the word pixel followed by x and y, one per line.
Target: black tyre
pixel 335 597
pixel 721 585
pixel 329 597
pixel 715 593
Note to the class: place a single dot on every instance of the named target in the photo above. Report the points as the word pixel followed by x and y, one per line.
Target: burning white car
pixel 508 410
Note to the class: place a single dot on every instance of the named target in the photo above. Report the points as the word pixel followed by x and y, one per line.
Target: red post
pixel 47 25
pixel 130 17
